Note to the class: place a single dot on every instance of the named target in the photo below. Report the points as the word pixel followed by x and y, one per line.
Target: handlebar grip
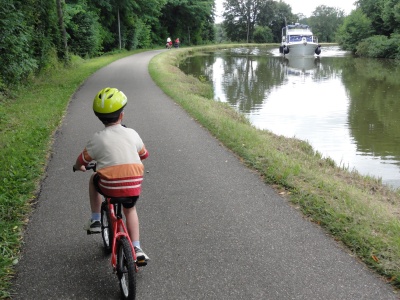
pixel 90 166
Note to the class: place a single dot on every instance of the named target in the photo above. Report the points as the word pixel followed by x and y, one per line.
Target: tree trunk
pixel 62 30
pixel 119 31
pixel 248 12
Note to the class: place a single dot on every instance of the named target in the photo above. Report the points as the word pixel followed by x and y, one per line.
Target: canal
pixel 347 108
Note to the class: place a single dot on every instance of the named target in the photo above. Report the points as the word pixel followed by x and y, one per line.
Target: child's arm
pixel 78 166
pixel 143 153
pixel 82 161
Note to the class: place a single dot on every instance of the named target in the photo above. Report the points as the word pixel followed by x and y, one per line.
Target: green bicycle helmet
pixel 109 103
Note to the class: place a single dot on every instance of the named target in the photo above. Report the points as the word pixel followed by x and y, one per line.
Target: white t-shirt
pixel 119 152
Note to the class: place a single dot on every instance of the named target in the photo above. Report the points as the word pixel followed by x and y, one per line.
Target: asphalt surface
pixel 212 228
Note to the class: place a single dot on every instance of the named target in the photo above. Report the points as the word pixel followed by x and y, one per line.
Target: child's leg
pixel 132 223
pixel 95 197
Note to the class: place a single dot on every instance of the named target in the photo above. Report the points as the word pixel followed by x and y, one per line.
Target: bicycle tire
pixel 126 269
pixel 106 230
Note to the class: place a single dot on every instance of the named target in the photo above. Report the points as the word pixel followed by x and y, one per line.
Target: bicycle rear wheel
pixel 106 229
pixel 126 269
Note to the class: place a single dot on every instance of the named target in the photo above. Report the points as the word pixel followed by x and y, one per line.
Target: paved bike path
pixel 212 228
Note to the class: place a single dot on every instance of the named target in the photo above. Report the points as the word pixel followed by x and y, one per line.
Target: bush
pixel 379 46
pixel 375 46
pixel 395 44
pixel 84 31
pixel 16 57
pixel 263 34
pixel 139 36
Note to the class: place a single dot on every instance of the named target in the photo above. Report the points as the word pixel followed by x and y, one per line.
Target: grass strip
pixel 28 121
pixel 357 210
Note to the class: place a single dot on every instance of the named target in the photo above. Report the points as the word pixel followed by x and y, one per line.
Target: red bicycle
pixel 117 242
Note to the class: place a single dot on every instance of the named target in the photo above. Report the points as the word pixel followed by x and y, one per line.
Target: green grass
pixel 28 121
pixel 358 211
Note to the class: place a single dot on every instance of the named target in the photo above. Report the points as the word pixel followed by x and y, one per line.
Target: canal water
pixel 347 108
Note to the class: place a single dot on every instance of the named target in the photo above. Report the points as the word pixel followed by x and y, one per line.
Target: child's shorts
pixel 129 201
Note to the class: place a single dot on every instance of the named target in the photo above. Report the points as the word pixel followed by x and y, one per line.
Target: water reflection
pixel 300 66
pixel 346 108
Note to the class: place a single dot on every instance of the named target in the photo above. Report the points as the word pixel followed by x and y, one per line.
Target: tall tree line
pixel 35 33
pixel 262 20
pixel 373 29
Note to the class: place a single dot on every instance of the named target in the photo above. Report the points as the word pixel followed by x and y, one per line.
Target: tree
pixel 220 34
pixel 62 30
pixel 355 28
pixel 391 16
pixel 190 20
pixel 373 29
pixel 28 38
pixel 83 30
pixel 262 34
pixel 241 17
pixel 325 21
pixel 126 23
pixel 373 11
pixel 16 56
pixel 280 15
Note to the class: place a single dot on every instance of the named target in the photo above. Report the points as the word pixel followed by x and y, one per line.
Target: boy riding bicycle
pixel 118 152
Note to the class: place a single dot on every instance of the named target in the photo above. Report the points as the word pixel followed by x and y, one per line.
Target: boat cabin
pixel 298 33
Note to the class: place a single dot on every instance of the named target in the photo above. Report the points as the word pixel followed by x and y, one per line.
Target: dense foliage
pixel 372 30
pixel 190 20
pixel 242 17
pixel 38 33
pixel 26 39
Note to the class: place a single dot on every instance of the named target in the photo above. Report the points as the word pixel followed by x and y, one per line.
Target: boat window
pixel 295 38
pixel 299 38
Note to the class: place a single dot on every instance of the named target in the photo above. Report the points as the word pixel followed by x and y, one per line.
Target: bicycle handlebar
pixel 90 166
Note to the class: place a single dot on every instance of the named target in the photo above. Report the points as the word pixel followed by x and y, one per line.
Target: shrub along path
pixel 212 228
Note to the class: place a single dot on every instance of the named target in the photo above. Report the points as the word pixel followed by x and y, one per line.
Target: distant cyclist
pixel 118 152
pixel 169 43
pixel 177 43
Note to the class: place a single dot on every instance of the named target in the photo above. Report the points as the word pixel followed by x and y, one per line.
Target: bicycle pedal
pixel 141 263
pixel 90 232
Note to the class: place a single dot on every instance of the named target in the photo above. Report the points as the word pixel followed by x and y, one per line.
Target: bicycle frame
pixel 119 230
pixel 123 255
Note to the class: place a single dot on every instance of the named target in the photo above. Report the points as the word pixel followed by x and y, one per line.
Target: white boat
pixel 298 40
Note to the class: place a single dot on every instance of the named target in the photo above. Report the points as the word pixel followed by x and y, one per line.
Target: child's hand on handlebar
pixel 79 168
pixel 90 166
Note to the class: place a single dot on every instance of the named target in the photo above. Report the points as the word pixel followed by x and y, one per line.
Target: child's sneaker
pixel 140 255
pixel 93 227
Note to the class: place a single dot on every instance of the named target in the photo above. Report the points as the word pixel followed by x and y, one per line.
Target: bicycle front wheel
pixel 106 229
pixel 126 269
